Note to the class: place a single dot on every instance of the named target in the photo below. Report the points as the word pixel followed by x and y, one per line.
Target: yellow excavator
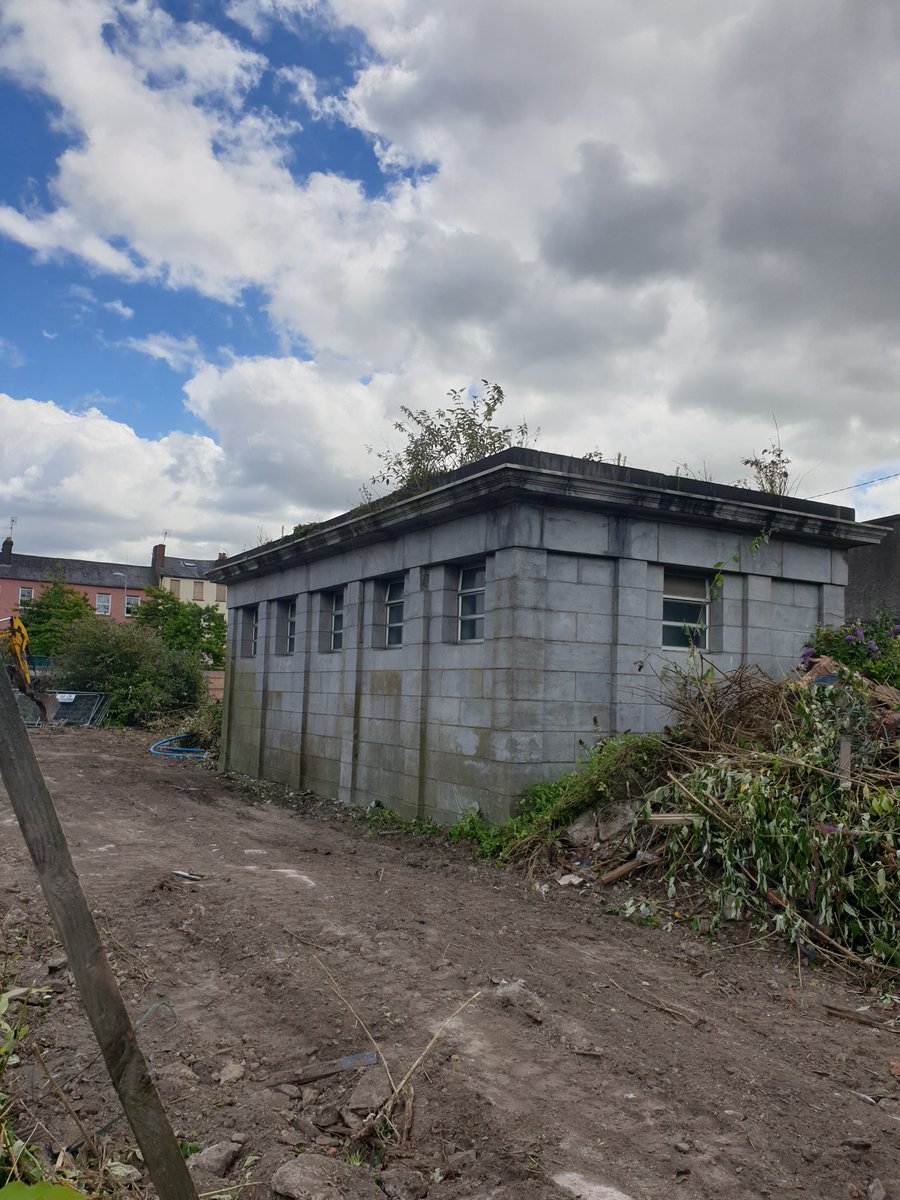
pixel 20 668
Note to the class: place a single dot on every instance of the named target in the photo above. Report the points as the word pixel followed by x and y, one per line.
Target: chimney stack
pixel 158 563
pixel 6 551
pixel 223 554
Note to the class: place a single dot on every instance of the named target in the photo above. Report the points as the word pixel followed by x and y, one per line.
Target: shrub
pixel 145 678
pixel 870 647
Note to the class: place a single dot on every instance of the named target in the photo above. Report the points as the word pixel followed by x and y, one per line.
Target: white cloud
pixel 180 353
pixel 655 237
pixel 118 491
pixel 120 309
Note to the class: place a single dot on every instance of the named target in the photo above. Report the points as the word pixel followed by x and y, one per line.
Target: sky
pixel 236 236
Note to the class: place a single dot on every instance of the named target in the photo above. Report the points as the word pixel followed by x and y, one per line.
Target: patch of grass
pixel 616 769
pixel 379 819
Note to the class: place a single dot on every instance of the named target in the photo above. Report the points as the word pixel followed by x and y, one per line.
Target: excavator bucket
pixel 16 638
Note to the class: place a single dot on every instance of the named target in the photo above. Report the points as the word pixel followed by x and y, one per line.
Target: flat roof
pixel 542 478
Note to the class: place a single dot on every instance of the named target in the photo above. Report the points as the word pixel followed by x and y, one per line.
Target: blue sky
pixel 236 236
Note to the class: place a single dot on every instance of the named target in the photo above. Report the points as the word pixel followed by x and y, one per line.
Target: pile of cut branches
pixel 791 803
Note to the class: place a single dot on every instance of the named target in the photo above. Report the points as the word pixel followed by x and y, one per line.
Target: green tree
pixel 145 678
pixel 184 626
pixel 445 439
pixel 49 616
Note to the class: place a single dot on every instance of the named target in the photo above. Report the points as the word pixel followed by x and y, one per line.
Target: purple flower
pixel 873 649
pixel 850 638
pixel 894 632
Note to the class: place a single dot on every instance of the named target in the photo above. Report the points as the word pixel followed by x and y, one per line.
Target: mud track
pixel 718 1076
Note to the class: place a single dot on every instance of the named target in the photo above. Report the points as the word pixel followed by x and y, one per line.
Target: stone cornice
pixel 542 479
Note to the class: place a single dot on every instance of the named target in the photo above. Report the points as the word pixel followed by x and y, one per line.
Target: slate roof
pixel 80 572
pixel 186 568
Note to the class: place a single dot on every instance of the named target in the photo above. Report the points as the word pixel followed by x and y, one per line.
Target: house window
pixel 393 613
pixel 175 587
pixel 103 604
pixel 336 619
pixel 26 593
pixel 249 630
pixel 471 603
pixel 131 605
pixel 685 611
pixel 286 626
pixel 221 593
pixel 198 589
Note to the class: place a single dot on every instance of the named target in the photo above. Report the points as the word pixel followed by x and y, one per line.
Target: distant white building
pixel 186 578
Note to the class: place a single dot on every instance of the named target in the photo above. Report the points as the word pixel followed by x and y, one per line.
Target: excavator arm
pixel 19 669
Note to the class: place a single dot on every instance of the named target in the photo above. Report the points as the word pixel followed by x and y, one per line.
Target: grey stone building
pixel 446 650
pixel 873 584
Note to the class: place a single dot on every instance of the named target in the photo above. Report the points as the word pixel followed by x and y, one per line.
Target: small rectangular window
pixel 175 587
pixel 221 593
pixel 198 590
pixel 286 626
pixel 471 603
pixel 26 593
pixel 393 613
pixel 336 612
pixel 685 611
pixel 103 604
pixel 249 630
pixel 132 603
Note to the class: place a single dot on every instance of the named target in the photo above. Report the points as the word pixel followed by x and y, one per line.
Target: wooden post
pixel 46 841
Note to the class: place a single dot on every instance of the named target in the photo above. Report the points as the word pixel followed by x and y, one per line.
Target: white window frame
pixel 249 631
pixel 25 593
pixel 132 602
pixel 470 596
pixel 676 622
pixel 336 620
pixel 106 609
pixel 286 625
pixel 394 600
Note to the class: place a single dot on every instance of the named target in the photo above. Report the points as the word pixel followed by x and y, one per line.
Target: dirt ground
pixel 600 1060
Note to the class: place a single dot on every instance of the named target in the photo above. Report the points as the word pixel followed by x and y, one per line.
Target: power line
pixel 851 487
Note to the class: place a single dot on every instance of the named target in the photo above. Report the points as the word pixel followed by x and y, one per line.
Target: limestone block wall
pixel 571 649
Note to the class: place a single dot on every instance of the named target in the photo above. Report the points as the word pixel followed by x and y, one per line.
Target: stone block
pixel 640 539
pixel 839 568
pixel 512 746
pixel 636 631
pixel 559 685
pixel 460 683
pixel 831 606
pixel 572 656
pixel 576 533
pixel 631 602
pixel 516 714
pixel 806 562
pixel 593 627
pixel 561 626
pixel 600 572
pixel 562 568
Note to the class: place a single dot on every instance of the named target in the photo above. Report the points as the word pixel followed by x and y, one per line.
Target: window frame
pixel 335 628
pixel 673 597
pixel 132 602
pixel 394 611
pixel 249 631
pixel 286 625
pixel 475 619
pixel 23 599
pixel 107 610
pixel 197 591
